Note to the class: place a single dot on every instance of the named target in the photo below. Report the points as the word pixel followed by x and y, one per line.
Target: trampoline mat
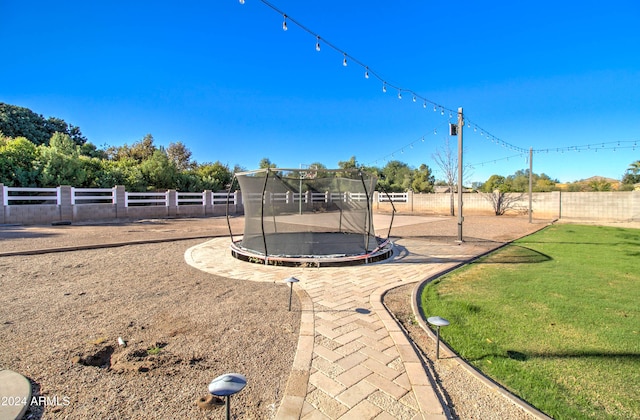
pixel 305 244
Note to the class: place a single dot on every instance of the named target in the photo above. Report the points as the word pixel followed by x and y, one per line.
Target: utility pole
pixel 530 184
pixel 460 218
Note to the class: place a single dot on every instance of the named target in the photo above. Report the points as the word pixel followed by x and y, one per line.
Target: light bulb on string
pixel 423 139
pixel 241 1
pixel 284 23
pixel 435 108
pixel 344 60
pixel 424 104
pixel 441 111
pixel 399 94
pixel 384 87
pixel 435 131
pixel 414 98
pixel 366 72
pixel 318 43
pixel 450 115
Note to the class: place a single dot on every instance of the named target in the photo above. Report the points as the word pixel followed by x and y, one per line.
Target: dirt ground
pixel 61 315
pixel 62 312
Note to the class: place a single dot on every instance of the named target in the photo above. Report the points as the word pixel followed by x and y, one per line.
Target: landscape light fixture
pixel 291 280
pixel 226 385
pixel 438 322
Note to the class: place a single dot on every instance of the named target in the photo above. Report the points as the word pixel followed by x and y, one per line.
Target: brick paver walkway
pixel 353 360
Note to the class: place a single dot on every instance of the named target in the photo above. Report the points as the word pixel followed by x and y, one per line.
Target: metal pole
pixel 438 344
pixel 460 218
pixel 290 293
pixel 228 407
pixel 530 183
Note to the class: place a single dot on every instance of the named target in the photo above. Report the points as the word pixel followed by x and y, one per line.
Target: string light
pixel 369 72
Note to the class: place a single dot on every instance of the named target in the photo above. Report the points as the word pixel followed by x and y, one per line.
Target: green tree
pixel 599 184
pixel 122 172
pixel 632 175
pixel 159 172
pixel 423 179
pixel 266 163
pixel 18 159
pixel 214 176
pixel 396 177
pixel 138 151
pixel 17 121
pixel 61 164
pixel 495 182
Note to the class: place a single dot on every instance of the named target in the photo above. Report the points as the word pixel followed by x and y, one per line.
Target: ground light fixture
pixel 291 280
pixel 438 322
pixel 225 386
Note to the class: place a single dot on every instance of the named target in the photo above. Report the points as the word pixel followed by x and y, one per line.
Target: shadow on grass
pixel 515 254
pixel 578 354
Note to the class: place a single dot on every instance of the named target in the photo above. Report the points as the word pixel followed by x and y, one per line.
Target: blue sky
pixel 227 81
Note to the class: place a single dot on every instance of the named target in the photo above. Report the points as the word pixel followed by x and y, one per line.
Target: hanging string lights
pixel 346 57
pixel 368 73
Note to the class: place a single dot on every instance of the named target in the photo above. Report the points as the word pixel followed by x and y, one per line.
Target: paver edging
pixel 292 402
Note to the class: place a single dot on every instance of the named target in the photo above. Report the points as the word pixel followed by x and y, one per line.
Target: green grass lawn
pixel 554 317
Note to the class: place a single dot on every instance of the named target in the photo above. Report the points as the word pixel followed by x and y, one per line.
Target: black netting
pixel 311 213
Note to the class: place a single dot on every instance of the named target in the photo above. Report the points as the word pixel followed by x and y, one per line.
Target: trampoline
pixel 308 217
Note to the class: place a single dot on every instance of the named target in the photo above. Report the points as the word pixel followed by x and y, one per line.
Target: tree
pixel 599 184
pixel 180 155
pixel 502 202
pixel 159 172
pixel 18 159
pixel 266 163
pixel 496 190
pixel 139 151
pixel 395 177
pixel 214 176
pixel 423 179
pixel 60 163
pixel 495 182
pixel 447 161
pixel 632 175
pixel 17 121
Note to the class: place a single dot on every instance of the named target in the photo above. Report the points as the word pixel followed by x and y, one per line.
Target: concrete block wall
pixel 86 212
pixel 604 206
pixel 33 214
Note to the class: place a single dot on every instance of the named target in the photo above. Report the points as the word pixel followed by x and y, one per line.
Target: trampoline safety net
pixel 307 213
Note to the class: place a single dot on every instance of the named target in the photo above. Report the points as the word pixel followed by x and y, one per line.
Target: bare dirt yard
pixel 61 315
